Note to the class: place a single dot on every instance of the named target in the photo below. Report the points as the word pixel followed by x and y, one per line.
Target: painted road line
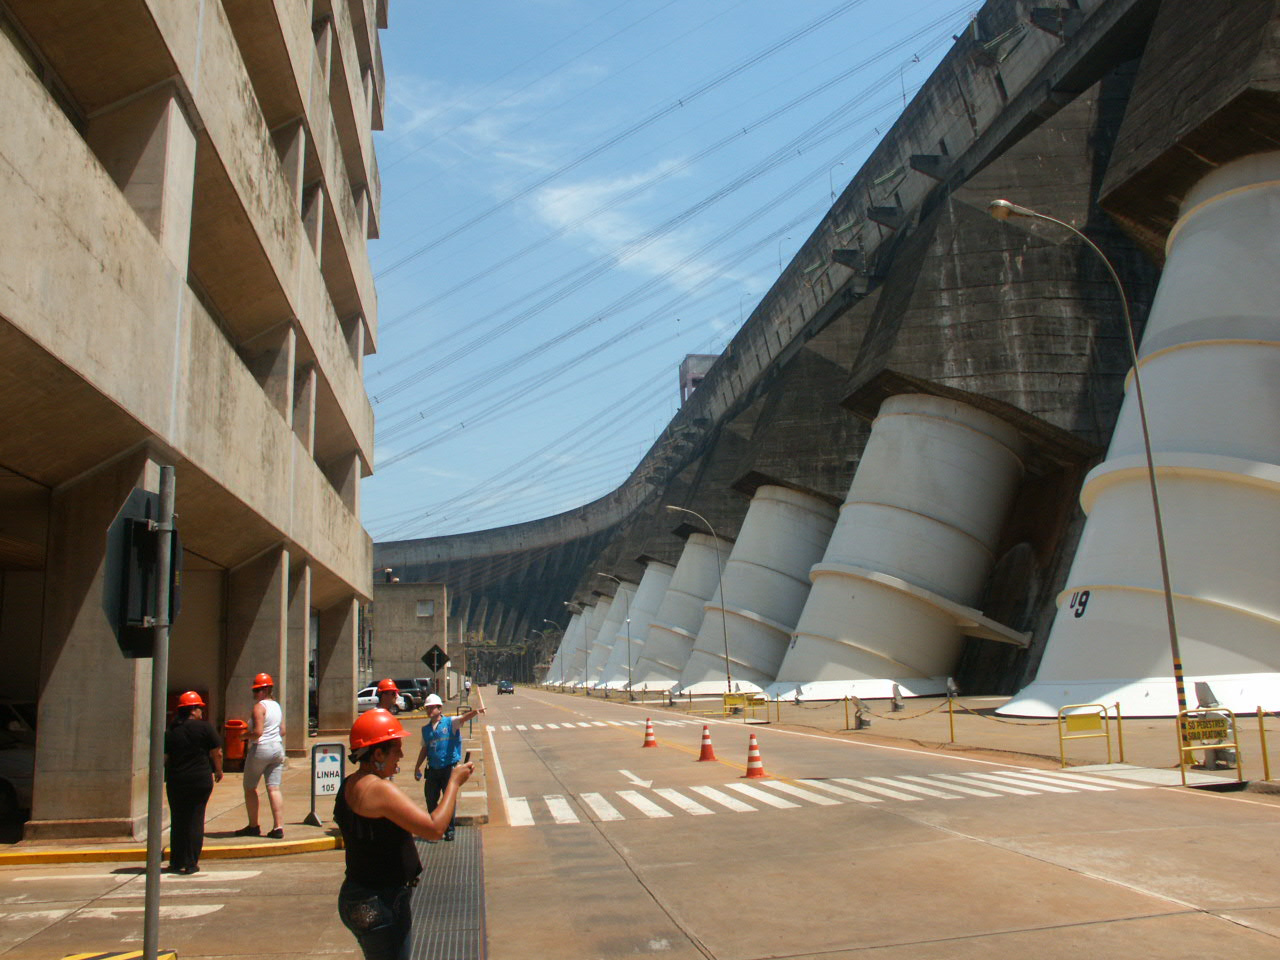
pixel 997 782
pixel 583 723
pixel 970 790
pixel 598 723
pixel 643 804
pixel 927 791
pixel 600 806
pixel 876 788
pixel 554 726
pixel 841 791
pixel 537 726
pixel 521 726
pixel 187 911
pixel 561 811
pixel 755 794
pixel 818 798
pixel 726 801
pixel 686 804
pixel 1060 784
pixel 1083 778
pixel 519 813
pixel 505 728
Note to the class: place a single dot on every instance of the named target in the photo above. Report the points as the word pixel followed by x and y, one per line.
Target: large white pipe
pixel 592 617
pixel 607 635
pixel 558 673
pixel 892 599
pixel 765 584
pixel 1210 365
pixel 674 627
pixel 653 585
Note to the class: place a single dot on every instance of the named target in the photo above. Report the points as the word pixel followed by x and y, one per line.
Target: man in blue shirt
pixel 442 751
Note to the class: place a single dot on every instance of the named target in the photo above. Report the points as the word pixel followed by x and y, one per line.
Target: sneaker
pixel 188 871
pixel 448 834
pixel 276 834
pixel 248 831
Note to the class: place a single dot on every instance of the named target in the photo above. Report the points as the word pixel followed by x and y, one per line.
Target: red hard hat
pixel 388 684
pixel 263 680
pixel 190 699
pixel 374 727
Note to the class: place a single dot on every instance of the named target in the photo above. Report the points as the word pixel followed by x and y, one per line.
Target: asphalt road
pixel 599 848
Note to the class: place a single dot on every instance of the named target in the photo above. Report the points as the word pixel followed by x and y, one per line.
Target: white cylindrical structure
pixel 607 635
pixel 674 627
pixel 1210 366
pixel 765 584
pixel 558 674
pixel 592 616
pixel 619 671
pixel 892 598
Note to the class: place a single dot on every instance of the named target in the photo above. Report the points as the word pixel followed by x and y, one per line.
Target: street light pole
pixel 626 601
pixel 1003 210
pixel 724 623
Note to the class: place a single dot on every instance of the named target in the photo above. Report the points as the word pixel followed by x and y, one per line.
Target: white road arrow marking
pixel 634 779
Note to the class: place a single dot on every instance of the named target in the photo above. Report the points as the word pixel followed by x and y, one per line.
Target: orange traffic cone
pixel 755 766
pixel 649 739
pixel 707 752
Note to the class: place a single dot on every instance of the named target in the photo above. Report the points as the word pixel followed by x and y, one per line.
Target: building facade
pixel 406 620
pixel 189 190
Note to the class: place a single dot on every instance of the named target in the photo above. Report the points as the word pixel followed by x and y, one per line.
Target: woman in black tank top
pixel 378 824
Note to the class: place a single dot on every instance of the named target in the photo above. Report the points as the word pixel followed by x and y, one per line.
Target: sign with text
pixel 327 767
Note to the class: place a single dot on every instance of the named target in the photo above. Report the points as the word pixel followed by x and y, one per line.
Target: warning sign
pixel 1205 728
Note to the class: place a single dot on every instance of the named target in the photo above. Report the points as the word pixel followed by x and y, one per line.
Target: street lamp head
pixel 1004 209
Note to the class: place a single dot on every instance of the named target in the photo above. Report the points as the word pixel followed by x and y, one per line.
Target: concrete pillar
pixel 336 667
pixel 603 642
pixel 322 30
pixel 297 658
pixel 765 585
pixel 575 646
pixel 599 613
pixel 270 357
pixel 675 625
pixel 94 705
pixel 290 140
pixel 1210 362
pixel 257 629
pixel 619 672
pixel 148 147
pixel 353 330
pixel 344 474
pixel 304 407
pixel 313 204
pixel 894 595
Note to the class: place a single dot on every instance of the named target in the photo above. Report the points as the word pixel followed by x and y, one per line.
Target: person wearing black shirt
pixel 378 823
pixel 192 762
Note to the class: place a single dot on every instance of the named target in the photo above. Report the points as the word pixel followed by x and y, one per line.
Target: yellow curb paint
pixel 136 854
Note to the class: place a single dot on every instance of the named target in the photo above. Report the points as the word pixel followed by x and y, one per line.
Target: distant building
pixel 692 369
pixel 188 190
pixel 405 621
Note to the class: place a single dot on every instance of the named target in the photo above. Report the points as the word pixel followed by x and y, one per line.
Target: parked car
pixel 367 699
pixel 17 758
pixel 506 686
pixel 412 690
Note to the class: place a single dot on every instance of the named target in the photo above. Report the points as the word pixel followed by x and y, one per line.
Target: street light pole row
pixel 724 623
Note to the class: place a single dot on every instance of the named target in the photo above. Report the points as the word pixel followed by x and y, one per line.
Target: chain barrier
pixel 1014 723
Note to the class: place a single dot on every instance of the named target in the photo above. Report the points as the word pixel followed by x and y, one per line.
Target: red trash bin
pixel 233 732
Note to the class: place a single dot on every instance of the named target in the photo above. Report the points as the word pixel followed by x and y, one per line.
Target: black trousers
pixel 186 821
pixel 433 784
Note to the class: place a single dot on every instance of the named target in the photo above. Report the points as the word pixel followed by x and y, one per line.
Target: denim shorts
pixel 379 917
pixel 262 760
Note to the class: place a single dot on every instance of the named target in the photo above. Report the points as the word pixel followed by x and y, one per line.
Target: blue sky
pixel 578 194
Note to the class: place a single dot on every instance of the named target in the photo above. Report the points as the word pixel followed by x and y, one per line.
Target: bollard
pixel 1119 732
pixel 951 717
pixel 1262 735
pixel 846 713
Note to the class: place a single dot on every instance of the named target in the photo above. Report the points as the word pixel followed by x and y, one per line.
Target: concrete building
pixel 406 620
pixel 188 192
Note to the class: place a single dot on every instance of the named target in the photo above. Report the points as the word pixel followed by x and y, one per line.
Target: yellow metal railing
pixel 1213 729
pixel 1087 721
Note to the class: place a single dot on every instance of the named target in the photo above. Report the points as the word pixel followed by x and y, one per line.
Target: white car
pixel 367 699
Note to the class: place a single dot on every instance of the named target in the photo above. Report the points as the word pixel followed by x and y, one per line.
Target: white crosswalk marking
pixel 998 782
pixel 756 794
pixel 1011 777
pixel 505 729
pixel 803 794
pixel 726 801
pixel 643 804
pixel 598 723
pixel 583 723
pixel 970 790
pixel 553 726
pixel 521 726
pixel 601 807
pixel 560 809
pixel 841 791
pixel 519 814
pixel 876 788
pixel 927 791
pixel 684 803
pixel 1103 779
pixel 1045 778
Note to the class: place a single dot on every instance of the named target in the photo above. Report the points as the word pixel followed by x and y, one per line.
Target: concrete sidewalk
pixel 225 813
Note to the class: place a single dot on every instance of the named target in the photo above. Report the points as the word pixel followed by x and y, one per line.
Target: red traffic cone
pixel 707 752
pixel 649 739
pixel 755 766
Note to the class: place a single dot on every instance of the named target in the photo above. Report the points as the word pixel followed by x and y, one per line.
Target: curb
pixel 244 851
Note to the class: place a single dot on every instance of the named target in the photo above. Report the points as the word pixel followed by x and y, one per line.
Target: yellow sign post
pixel 1207 730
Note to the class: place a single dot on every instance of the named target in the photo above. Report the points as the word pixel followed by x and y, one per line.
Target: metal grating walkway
pixel 448 903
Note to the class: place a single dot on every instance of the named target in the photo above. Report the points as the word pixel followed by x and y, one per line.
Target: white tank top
pixel 271 714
